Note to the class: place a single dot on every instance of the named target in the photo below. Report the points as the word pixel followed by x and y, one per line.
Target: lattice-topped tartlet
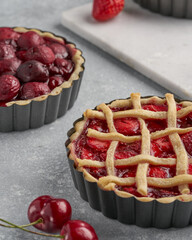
pixel 137 147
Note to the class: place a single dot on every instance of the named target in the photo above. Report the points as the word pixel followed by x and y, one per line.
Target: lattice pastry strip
pixel 111 151
pixel 182 158
pixel 141 174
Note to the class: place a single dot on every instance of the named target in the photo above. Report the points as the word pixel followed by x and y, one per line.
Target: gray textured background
pixel 34 162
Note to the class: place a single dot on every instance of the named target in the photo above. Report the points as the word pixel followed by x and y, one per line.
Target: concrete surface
pixel 34 162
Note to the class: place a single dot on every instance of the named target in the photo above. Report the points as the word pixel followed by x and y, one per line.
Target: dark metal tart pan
pixel 34 113
pixel 130 210
pixel 174 8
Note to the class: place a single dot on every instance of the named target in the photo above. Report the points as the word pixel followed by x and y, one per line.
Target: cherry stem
pixel 26 230
pixel 40 220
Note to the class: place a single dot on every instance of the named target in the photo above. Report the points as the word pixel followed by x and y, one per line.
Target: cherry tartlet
pixel 40 76
pixel 132 159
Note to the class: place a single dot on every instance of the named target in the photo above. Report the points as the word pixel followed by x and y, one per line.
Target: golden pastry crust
pixel 109 182
pixel 76 58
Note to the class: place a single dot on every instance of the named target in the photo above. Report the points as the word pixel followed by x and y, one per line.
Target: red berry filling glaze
pixel 92 148
pixel 96 149
pixel 29 57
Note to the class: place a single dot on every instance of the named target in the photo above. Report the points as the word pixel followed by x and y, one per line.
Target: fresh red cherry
pixel 6 51
pixel 53 211
pixel 33 89
pixel 9 87
pixel 32 71
pixel 55 81
pixel 8 33
pixel 78 230
pixel 41 53
pixel 30 39
pixel 59 50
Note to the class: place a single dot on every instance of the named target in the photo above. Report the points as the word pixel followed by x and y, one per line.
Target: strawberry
pixel 104 10
pixel 127 126
pixel 98 144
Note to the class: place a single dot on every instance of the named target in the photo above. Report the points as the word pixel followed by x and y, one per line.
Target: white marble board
pixel 159 47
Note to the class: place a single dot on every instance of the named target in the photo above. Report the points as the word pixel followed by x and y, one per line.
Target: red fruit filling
pixel 97 172
pixel 99 125
pixel 95 149
pixel 152 192
pixel 154 125
pixel 185 122
pixel 161 171
pixel 159 108
pixel 163 192
pixel 127 126
pixel 130 189
pixel 33 58
pixel 91 148
pixel 126 171
pixel 118 109
pixel 127 150
pixel 162 148
pixel 187 141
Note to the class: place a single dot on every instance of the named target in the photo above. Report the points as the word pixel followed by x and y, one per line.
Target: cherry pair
pixel 53 215
pixel 56 214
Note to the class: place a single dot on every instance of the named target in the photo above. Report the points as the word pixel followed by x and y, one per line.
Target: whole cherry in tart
pixel 55 81
pixel 32 71
pixel 9 87
pixel 33 89
pixel 31 56
pixel 54 212
pixel 29 39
